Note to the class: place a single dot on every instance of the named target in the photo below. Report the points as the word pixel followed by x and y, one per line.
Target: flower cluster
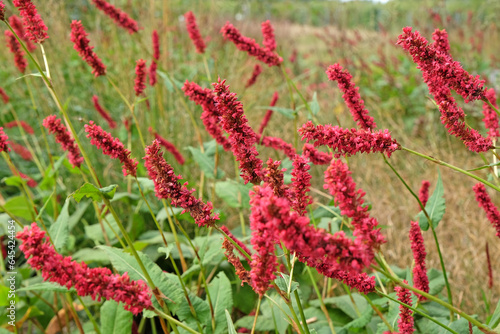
pixel 420 279
pixel 239 242
pixel 156 57
pixel 441 42
pixel 121 18
pixel 405 322
pixel 64 138
pixel 423 194
pixel 484 201
pixel 347 142
pixel 140 77
pixel 15 48
pixel 301 182
pixel 36 28
pixel 241 135
pixel 240 271
pixel 22 151
pixel 168 146
pixel 269 113
pixel 315 156
pixel 278 144
pixel 112 147
pixel 81 44
pixel 274 176
pixel 26 127
pixel 194 32
pixel 4 141
pixel 2 11
pixel 257 70
pixel 94 282
pixel 167 186
pixel 18 26
pixel 490 116
pixel 268 34
pixel 4 96
pixel 103 113
pixel 250 46
pixel 351 96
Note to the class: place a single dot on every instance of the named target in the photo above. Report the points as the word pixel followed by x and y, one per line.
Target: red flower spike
pixel 347 142
pixel 239 242
pixel 4 95
pixel 241 135
pixel 18 26
pixel 22 151
pixel 167 186
pixel 97 283
pixel 140 77
pixel 268 34
pixel 156 45
pixel 36 28
pixel 484 201
pixel 490 116
pixel 64 138
pixel 423 194
pixel 278 144
pixel 351 96
pixel 81 45
pixel 269 113
pixel 156 56
pixel 103 113
pixel 420 279
pixel 2 11
pixel 315 156
pixel 169 147
pixel 26 127
pixel 4 141
pixel 15 48
pixel 112 147
pixel 273 176
pixel 153 79
pixel 29 181
pixel 405 322
pixel 301 182
pixel 257 70
pixel 241 272
pixel 121 18
pixel 194 32
pixel 250 46
pixel 441 42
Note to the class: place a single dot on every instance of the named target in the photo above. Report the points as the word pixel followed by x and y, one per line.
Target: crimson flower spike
pixel 490 116
pixel 156 56
pixel 81 45
pixel 103 113
pixel 351 96
pixel 17 24
pixel 120 17
pixel 241 136
pixel 167 186
pixel 169 147
pixel 22 151
pixel 36 28
pixel 423 194
pixel 441 42
pixel 278 144
pixel 269 113
pixel 405 322
pixel 26 127
pixel 140 77
pixel 97 283
pixel 315 156
pixel 64 138
pixel 194 32
pixel 4 141
pixel 15 48
pixel 2 11
pixel 420 279
pixel 484 201
pixel 112 147
pixel 347 142
pixel 4 95
pixel 301 182
pixel 240 270
pixel 257 70
pixel 250 46
pixel 268 34
pixel 274 176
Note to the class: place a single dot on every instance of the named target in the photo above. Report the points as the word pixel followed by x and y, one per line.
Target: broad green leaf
pixel 49 179
pixel 206 163
pixel 263 323
pixel 95 233
pixel 59 230
pixel 233 193
pixel 115 319
pixel 19 207
pixel 314 105
pixel 46 286
pixel 13 181
pixel 346 305
pixel 461 326
pixel 230 325
pixel 495 318
pixel 436 281
pixel 89 255
pixel 283 283
pixel 221 295
pixel 362 320
pixel 166 250
pixel 435 207
pixel 96 194
pixel 77 215
pixel 147 185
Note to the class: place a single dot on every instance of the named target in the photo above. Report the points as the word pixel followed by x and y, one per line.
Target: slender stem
pixel 256 315
pixel 94 323
pixel 320 298
pixel 175 322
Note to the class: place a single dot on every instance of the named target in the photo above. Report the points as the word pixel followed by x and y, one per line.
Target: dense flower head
pixel 15 48
pixel 167 186
pixel 278 144
pixel 490 116
pixel 405 322
pixel 18 26
pixel 484 201
pixel 2 11
pixel 269 113
pixel 153 79
pixel 105 114
pixel 156 44
pixel 315 156
pixel 36 28
pixel 347 142
pixel 22 151
pixel 351 96
pixel 241 135
pixel 4 141
pixel 240 270
pixel 26 127
pixel 269 40
pixel 441 42
pixel 140 77
pixel 250 46
pixel 364 283
pixel 120 17
pixel 169 147
pixel 205 97
pixel 273 175
pixel 64 138
pixel 257 70
pixel 97 283
pixel 420 279
pixel 194 32
pixel 301 182
pixel 4 96
pixel 423 193
pixel 81 44
pixel 112 147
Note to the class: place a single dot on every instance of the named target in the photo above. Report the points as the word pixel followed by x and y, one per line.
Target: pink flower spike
pixel 169 147
pixel 351 96
pixel 94 282
pixel 301 182
pixel 4 141
pixel 257 70
pixel 81 45
pixel 274 176
pixel 26 127
pixel 112 147
pixel 15 48
pixel 441 42
pixel 64 138
pixel 269 113
pixel 490 116
pixel 423 194
pixel 167 186
pixel 315 156
pixel 29 181
pixel 120 17
pixel 484 201
pixel 4 95
pixel 238 241
pixel 405 322
pixel 347 142
pixel 250 46
pixel 420 279
pixel 240 270
pixel 17 24
pixel 153 79
pixel 2 11
pixel 278 144
pixel 22 151
pixel 36 28
pixel 241 135
pixel 103 113
pixel 140 77
pixel 194 32
pixel 156 45
pixel 268 34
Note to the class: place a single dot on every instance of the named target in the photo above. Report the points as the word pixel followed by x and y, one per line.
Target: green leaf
pixel 436 281
pixel 19 207
pixel 362 320
pixel 205 162
pixel 94 231
pixel 96 194
pixel 231 192
pixel 230 325
pixel 495 318
pixel 46 286
pixel 147 185
pixel 314 105
pixel 13 181
pixel 115 319
pixel 166 250
pixel 221 295
pixel 283 283
pixel 59 230
pixel 77 215
pixel 346 305
pixel 435 207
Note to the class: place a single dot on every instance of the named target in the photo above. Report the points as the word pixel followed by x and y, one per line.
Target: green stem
pixel 256 315
pixel 175 322
pixel 320 298
pixel 94 323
